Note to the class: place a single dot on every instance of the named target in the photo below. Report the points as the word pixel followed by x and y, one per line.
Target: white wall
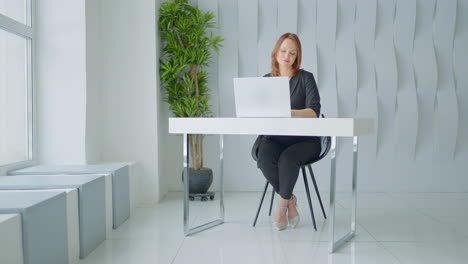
pixel 162 120
pixel 97 86
pixel 402 63
pixel 61 81
pixel 122 85
pixel 94 80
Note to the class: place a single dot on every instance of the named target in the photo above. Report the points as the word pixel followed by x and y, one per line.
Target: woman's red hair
pixel 297 64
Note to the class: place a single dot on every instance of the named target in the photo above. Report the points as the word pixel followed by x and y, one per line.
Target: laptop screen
pixel 262 97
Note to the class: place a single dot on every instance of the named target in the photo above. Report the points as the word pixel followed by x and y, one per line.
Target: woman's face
pixel 287 53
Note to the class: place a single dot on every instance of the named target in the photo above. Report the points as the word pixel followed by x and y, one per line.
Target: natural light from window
pixel 15 82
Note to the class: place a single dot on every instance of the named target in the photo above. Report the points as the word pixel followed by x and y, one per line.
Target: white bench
pixel 91 202
pixel 119 172
pixel 11 241
pixel 43 221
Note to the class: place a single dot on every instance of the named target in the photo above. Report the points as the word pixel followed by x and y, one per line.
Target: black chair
pixel 326 142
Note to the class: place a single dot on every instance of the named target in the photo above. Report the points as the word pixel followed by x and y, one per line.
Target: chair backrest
pixel 325 142
pixel 255 147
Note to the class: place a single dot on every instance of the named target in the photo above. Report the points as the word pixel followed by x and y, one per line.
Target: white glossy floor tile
pixel 373 200
pixel 433 200
pixel 391 228
pixel 452 217
pixel 421 195
pixel 151 223
pixel 232 243
pixel 354 252
pixel 409 225
pixel 429 253
pixel 343 226
pixel 242 208
pixel 305 231
pixel 128 251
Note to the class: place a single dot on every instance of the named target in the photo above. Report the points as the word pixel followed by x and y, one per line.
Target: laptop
pixel 262 97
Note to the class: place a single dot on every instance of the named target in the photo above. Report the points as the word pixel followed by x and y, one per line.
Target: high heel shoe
pixel 281 225
pixel 293 221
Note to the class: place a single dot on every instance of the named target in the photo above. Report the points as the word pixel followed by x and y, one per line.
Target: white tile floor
pixel 392 228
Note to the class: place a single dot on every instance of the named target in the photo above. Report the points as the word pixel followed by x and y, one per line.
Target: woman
pixel 280 157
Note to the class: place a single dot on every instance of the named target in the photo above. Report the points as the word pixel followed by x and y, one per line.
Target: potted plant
pixel 186 52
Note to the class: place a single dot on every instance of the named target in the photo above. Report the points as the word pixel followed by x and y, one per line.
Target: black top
pixel 303 91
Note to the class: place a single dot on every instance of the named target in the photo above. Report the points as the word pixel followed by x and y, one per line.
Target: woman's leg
pixel 291 160
pixel 268 155
pixel 269 152
pixel 289 164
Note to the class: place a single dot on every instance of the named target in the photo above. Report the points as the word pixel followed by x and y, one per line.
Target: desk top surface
pixel 345 127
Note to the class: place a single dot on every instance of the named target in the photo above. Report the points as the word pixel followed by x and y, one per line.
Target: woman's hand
pixel 307 112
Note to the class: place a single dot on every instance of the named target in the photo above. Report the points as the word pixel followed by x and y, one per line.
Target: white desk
pixel 334 127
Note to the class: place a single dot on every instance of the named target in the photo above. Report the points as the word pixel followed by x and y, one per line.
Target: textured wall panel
pixel 404 61
pixel 407 103
pixel 228 68
pixel 365 25
pixel 425 66
pixel 268 35
pixel 228 60
pixel 307 31
pixel 326 57
pixel 460 63
pixel 387 81
pixel 446 116
pixel 287 16
pixel 212 6
pixel 248 67
pixel 248 29
pixel 346 64
pixel 346 76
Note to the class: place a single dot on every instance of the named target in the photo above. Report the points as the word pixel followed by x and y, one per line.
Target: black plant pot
pixel 200 180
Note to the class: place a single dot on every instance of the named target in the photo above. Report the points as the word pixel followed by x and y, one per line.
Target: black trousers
pixel 281 157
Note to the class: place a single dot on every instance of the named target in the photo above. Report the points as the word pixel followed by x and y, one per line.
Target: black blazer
pixel 303 91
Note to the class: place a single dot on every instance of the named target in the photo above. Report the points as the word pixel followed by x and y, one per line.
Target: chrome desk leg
pixel 332 244
pixel 331 210
pixel 187 229
pixel 354 183
pixel 221 178
pixel 186 162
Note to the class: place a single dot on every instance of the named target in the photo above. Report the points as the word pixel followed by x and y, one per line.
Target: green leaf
pixel 186 41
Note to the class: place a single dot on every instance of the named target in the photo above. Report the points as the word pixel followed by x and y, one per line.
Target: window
pixel 15 9
pixel 16 83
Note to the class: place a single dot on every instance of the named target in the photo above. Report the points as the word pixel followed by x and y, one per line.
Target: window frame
pixel 29 34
